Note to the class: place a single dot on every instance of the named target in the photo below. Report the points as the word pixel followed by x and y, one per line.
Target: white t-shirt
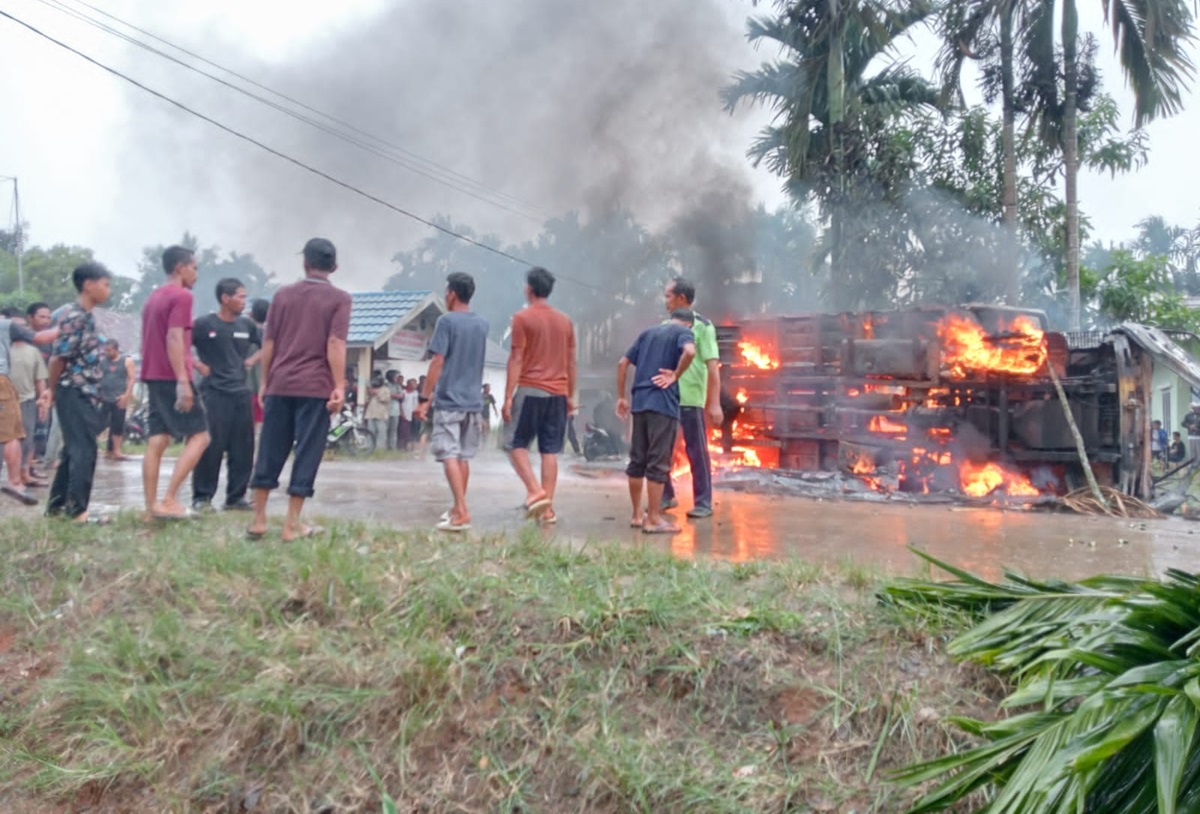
pixel 409 404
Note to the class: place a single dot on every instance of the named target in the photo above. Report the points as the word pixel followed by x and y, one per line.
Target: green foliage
pixel 211 267
pixel 48 276
pixel 1142 290
pixel 1103 711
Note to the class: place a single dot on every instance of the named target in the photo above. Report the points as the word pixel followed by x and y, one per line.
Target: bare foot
pixel 169 510
pixel 636 521
pixel 300 532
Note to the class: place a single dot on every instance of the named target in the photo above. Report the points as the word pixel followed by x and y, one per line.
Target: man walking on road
pixel 660 356
pixel 174 410
pixel 224 343
pixel 304 370
pixel 699 397
pixel 116 388
pixel 454 390
pixel 75 375
pixel 539 393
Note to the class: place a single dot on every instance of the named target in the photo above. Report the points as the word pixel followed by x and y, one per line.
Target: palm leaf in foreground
pixel 1105 704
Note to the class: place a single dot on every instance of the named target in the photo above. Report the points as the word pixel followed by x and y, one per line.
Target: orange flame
pixel 882 423
pixel 966 348
pixel 741 397
pixel 757 356
pixel 983 480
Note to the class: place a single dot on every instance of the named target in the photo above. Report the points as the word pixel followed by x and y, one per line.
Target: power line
pixel 297 162
pixel 416 157
pixel 454 180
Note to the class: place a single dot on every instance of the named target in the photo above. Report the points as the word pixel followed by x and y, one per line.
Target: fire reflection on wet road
pixel 593 506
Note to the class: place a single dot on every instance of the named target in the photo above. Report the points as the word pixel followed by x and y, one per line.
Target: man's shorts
pixel 540 417
pixel 11 426
pixel 164 419
pixel 114 418
pixel 455 434
pixel 651 446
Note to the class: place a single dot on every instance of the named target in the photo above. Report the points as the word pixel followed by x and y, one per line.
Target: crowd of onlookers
pixel 280 367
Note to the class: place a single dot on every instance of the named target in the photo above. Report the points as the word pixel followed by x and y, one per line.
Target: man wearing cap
pixel 303 370
pixel 1191 423
pixel 174 411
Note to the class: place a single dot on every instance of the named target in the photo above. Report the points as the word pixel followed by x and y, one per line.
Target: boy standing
pixel 304 369
pixel 75 390
pixel 224 343
pixel 454 389
pixel 660 355
pixel 174 411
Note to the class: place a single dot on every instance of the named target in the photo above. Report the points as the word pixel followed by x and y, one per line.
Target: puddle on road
pixel 748 526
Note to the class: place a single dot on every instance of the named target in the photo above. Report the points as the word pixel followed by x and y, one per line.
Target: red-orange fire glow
pixel 757 356
pixel 741 397
pixel 1020 349
pixel 982 480
pixel 882 423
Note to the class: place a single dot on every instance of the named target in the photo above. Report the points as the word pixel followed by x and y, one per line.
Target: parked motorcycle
pixel 599 443
pixel 135 426
pixel 347 434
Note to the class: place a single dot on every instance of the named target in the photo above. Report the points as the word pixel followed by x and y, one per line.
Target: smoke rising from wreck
pixel 598 108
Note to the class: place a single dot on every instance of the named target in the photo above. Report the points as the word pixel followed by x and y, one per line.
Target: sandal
pixel 662 528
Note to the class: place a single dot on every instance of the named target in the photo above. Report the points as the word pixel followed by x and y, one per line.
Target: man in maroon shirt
pixel 303 370
pixel 174 411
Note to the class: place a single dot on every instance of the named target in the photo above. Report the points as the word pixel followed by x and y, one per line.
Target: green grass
pixel 184 668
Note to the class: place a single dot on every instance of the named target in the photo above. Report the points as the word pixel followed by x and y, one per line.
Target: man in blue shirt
pixel 660 356
pixel 454 388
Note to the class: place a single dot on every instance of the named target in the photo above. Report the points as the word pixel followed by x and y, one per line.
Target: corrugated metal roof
pixel 374 312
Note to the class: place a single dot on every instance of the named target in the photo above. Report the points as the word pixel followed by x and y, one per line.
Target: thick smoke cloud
pixel 591 107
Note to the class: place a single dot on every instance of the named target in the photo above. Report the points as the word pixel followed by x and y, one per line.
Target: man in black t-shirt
pixel 225 343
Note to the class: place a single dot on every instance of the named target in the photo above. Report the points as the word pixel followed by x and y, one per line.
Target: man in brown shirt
pixel 540 391
pixel 303 369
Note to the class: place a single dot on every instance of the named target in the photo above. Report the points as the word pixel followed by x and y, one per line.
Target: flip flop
pixel 550 517
pixel 448 525
pixel 636 525
pixel 537 508
pixel 94 520
pixel 255 535
pixel 661 528
pixel 20 495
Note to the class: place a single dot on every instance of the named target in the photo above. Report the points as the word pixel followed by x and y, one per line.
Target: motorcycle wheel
pixel 358 442
pixel 591 450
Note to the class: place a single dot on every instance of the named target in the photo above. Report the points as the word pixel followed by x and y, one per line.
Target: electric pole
pixel 18 233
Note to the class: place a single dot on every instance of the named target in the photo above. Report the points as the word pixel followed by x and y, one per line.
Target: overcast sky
pixel 102 165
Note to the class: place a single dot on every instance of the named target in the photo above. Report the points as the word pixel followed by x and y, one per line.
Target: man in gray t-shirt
pixel 455 385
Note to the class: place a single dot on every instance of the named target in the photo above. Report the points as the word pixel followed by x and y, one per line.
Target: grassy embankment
pixel 183 668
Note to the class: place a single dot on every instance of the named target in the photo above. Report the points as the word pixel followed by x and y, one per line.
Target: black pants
pixel 695 438
pixel 81 421
pixel 231 432
pixel 291 422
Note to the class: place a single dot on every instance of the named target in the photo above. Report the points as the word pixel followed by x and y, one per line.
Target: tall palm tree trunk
pixel 1070 37
pixel 836 78
pixel 1012 288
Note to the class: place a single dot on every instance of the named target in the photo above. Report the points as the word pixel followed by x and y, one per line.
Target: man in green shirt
pixel 699 397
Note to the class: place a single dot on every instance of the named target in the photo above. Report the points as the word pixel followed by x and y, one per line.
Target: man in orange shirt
pixel 539 392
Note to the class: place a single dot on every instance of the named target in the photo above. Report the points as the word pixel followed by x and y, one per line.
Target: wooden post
pixel 1079 443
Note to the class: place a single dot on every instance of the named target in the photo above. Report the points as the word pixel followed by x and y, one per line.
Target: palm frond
pixel 1105 671
pixel 1150 38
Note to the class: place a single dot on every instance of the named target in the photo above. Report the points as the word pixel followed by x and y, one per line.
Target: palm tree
pixel 820 87
pixel 1150 37
pixel 983 30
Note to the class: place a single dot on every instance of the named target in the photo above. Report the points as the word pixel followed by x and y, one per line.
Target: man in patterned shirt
pixel 75 374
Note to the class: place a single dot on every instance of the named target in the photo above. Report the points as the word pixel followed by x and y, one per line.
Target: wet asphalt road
pixel 593 506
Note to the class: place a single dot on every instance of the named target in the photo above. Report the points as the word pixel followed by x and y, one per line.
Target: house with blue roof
pixel 390 330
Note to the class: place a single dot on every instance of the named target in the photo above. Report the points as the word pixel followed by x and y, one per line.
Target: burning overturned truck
pixel 943 400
